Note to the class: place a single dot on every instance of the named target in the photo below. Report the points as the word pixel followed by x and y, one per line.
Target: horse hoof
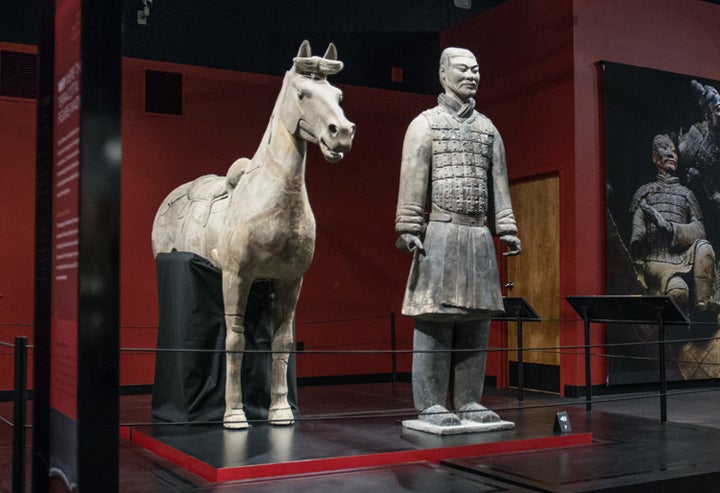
pixel 235 421
pixel 281 417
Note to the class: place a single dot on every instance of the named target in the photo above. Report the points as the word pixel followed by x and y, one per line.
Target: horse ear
pixel 331 53
pixel 305 51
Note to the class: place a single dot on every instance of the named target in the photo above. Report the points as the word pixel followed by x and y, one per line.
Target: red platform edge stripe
pixel 125 433
pixel 435 455
pixel 187 462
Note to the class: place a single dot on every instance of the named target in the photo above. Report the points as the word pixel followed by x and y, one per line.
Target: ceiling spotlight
pixel 144 12
pixel 462 4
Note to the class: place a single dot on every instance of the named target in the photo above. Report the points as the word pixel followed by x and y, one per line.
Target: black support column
pixel 43 251
pixel 77 247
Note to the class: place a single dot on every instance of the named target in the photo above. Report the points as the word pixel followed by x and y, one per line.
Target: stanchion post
pixel 518 310
pixel 661 361
pixel 19 418
pixel 393 356
pixel 520 358
pixel 588 363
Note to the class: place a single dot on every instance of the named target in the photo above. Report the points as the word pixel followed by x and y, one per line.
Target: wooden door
pixel 535 275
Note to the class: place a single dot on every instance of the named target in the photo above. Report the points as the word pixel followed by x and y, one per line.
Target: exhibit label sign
pixel 65 242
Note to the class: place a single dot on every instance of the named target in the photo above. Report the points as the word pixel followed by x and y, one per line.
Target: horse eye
pixel 301 94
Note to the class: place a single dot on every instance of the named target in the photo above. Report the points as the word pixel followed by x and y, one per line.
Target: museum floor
pixel 631 450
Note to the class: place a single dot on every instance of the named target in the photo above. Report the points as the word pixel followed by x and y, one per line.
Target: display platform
pixel 320 445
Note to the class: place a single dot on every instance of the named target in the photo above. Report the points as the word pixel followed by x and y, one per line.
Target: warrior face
pixel 664 155
pixel 459 73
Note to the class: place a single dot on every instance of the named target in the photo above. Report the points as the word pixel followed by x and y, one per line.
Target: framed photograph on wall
pixel 662 155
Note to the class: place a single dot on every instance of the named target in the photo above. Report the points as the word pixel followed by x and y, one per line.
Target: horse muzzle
pixel 337 140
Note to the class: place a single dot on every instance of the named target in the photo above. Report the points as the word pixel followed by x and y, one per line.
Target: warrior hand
pixel 514 244
pixel 652 215
pixel 410 243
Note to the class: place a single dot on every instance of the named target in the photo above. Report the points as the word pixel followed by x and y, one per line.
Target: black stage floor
pixel 633 451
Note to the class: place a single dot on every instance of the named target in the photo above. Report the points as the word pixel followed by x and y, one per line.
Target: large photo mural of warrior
pixel 662 135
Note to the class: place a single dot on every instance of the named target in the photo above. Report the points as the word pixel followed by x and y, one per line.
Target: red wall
pixel 683 37
pixel 17 221
pixel 357 277
pixel 538 61
pixel 539 85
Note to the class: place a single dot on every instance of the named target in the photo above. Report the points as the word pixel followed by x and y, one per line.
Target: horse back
pixel 189 218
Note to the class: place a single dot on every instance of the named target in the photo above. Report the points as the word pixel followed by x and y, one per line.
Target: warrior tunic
pixel 455 157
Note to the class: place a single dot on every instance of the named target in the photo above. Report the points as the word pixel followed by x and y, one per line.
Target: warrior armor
pixel 678 206
pixel 463 165
pixel 678 251
pixel 461 156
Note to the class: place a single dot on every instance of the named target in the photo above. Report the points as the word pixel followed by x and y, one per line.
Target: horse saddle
pixel 203 194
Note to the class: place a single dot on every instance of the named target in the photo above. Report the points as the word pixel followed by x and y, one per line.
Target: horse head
pixel 311 106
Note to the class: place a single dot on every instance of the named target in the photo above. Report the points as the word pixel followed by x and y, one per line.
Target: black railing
pixel 19 415
pixel 20 392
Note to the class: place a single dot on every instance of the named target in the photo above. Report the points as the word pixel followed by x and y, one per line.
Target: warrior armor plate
pixel 461 156
pixel 676 204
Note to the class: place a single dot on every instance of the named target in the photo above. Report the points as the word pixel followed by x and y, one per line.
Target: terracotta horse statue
pixel 256 222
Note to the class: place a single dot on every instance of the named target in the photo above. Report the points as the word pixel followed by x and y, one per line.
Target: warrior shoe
pixel 439 416
pixel 475 412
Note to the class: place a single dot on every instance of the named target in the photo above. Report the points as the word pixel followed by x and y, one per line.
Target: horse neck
pixel 281 153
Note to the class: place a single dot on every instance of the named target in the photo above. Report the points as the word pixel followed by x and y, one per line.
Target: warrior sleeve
pixel 414 176
pixel 504 218
pixel 639 233
pixel 685 235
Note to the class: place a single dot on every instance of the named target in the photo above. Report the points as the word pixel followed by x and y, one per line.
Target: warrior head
pixel 459 73
pixel 664 155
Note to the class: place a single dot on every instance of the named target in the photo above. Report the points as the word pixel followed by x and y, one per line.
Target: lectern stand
pixel 648 310
pixel 519 310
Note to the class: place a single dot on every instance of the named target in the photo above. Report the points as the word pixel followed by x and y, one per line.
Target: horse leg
pixel 235 294
pixel 286 296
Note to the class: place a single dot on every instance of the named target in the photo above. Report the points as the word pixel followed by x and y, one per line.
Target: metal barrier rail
pixel 21 346
pixel 19 413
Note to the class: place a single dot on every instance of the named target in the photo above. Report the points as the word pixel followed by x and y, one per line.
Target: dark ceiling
pixel 262 36
pixel 372 36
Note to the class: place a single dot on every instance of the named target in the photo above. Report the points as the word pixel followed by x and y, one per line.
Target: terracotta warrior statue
pixel 700 147
pixel 668 236
pixel 454 157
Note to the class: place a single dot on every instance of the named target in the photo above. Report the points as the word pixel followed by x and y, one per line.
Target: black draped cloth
pixel 190 365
